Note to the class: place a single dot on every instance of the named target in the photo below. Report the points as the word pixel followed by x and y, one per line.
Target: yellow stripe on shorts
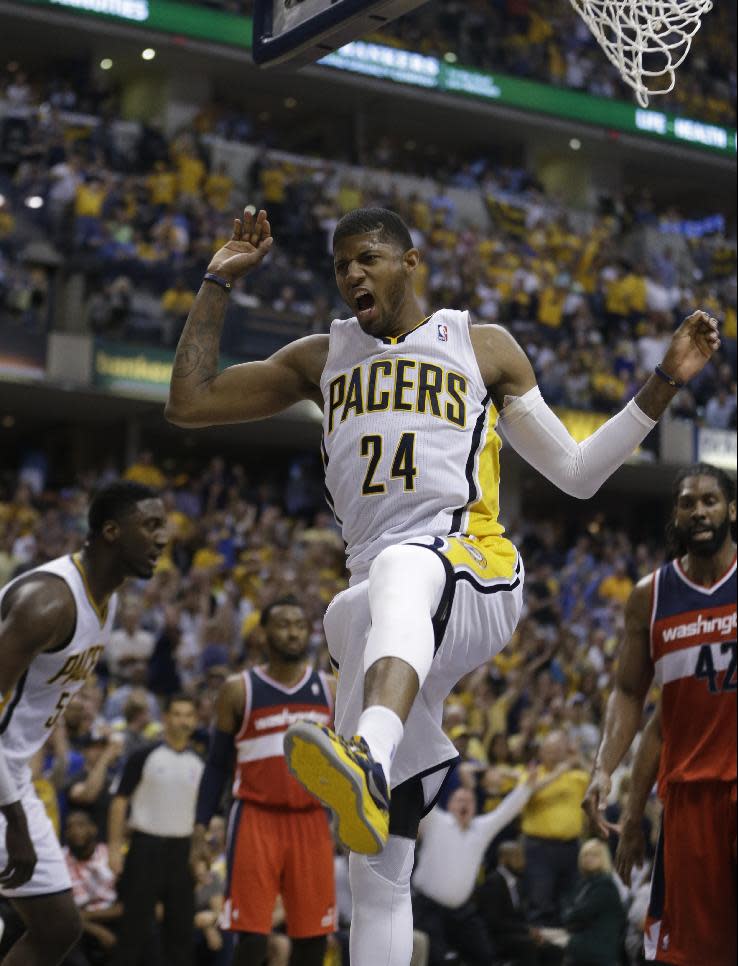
pixel 491 559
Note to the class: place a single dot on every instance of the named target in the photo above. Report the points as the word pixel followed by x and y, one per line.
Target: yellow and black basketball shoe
pixel 345 777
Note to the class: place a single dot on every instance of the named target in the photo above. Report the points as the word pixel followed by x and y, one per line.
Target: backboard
pixel 302 31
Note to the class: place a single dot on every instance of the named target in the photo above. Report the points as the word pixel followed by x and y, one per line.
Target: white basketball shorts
pixel 478 613
pixel 50 874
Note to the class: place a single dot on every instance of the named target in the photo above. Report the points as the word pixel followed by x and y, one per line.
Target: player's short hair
pixel 723 480
pixel 179 697
pixel 115 501
pixel 289 600
pixel 360 221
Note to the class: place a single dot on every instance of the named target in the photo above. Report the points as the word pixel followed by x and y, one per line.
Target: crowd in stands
pixel 592 296
pixel 242 537
pixel 549 42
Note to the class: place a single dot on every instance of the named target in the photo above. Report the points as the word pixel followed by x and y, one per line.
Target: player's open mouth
pixel 366 307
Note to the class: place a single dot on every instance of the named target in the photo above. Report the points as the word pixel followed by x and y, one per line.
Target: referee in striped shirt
pixel 159 782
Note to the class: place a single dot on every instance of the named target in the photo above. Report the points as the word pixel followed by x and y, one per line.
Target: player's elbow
pixel 183 416
pixel 580 489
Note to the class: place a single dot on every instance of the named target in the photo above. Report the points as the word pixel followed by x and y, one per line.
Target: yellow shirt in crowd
pixel 89 200
pixel 162 187
pixel 146 475
pixel 556 812
pixel 190 174
pixel 616 588
pixel 218 190
pixel 177 301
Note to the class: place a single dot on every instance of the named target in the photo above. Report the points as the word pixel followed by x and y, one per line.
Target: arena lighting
pixel 575 144
pixel 8 422
pixel 34 201
pixel 148 53
pixel 106 63
pixel 290 102
pixel 450 57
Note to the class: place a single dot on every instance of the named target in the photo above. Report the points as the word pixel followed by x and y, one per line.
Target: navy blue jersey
pixel 693 646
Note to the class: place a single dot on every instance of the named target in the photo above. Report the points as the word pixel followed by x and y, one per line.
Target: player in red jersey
pixel 279 837
pixel 680 627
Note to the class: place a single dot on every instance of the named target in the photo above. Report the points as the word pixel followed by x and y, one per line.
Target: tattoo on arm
pixel 186 361
pixel 197 351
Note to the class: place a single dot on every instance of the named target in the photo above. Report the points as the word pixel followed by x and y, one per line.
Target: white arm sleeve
pixel 578 469
pixel 8 789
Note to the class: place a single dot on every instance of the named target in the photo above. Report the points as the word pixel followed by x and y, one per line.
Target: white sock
pixel 382 730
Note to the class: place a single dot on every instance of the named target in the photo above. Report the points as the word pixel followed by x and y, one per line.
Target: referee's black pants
pixel 157 869
pixel 453 930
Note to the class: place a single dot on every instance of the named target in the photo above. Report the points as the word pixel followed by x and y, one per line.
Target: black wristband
pixel 670 380
pixel 217 280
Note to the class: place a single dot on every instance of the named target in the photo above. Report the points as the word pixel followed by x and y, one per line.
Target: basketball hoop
pixel 646 40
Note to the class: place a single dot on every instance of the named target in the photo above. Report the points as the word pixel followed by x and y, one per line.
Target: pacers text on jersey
pixel 78 666
pixel 398 385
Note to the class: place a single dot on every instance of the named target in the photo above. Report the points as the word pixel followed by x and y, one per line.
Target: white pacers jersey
pixel 409 446
pixel 28 714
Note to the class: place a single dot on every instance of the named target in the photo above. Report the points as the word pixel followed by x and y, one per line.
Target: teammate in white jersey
pixel 55 621
pixel 410 406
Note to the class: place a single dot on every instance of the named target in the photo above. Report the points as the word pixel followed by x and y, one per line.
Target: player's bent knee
pixel 373 877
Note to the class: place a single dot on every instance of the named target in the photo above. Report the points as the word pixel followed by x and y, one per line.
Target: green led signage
pixel 420 70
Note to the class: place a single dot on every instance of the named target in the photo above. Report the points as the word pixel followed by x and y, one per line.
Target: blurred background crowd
pixel 593 294
pixel 242 537
pixel 550 43
pixel 118 178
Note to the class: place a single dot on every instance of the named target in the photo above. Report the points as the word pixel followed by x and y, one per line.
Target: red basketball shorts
pixel 273 853
pixel 692 919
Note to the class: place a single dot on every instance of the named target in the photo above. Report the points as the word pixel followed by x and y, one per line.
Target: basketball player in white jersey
pixel 410 406
pixel 55 621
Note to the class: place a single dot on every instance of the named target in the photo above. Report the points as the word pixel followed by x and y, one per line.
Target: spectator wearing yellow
pixel 617 586
pixel 625 295
pixel 350 196
pixel 144 471
pixel 191 172
pixel 178 299
pixel 176 303
pixel 553 822
pixel 219 188
pixel 90 198
pixel 162 185
pixel 209 558
pixel 551 303
pixel 273 185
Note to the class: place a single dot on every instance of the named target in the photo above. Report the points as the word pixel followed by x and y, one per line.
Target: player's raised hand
pixel 692 346
pixel 249 244
pixel 631 849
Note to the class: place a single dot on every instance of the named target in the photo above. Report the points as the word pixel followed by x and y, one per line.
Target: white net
pixel 646 40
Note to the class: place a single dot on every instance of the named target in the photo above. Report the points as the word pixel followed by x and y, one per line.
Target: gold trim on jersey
pixel 100 612
pixel 482 519
pixel 397 339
